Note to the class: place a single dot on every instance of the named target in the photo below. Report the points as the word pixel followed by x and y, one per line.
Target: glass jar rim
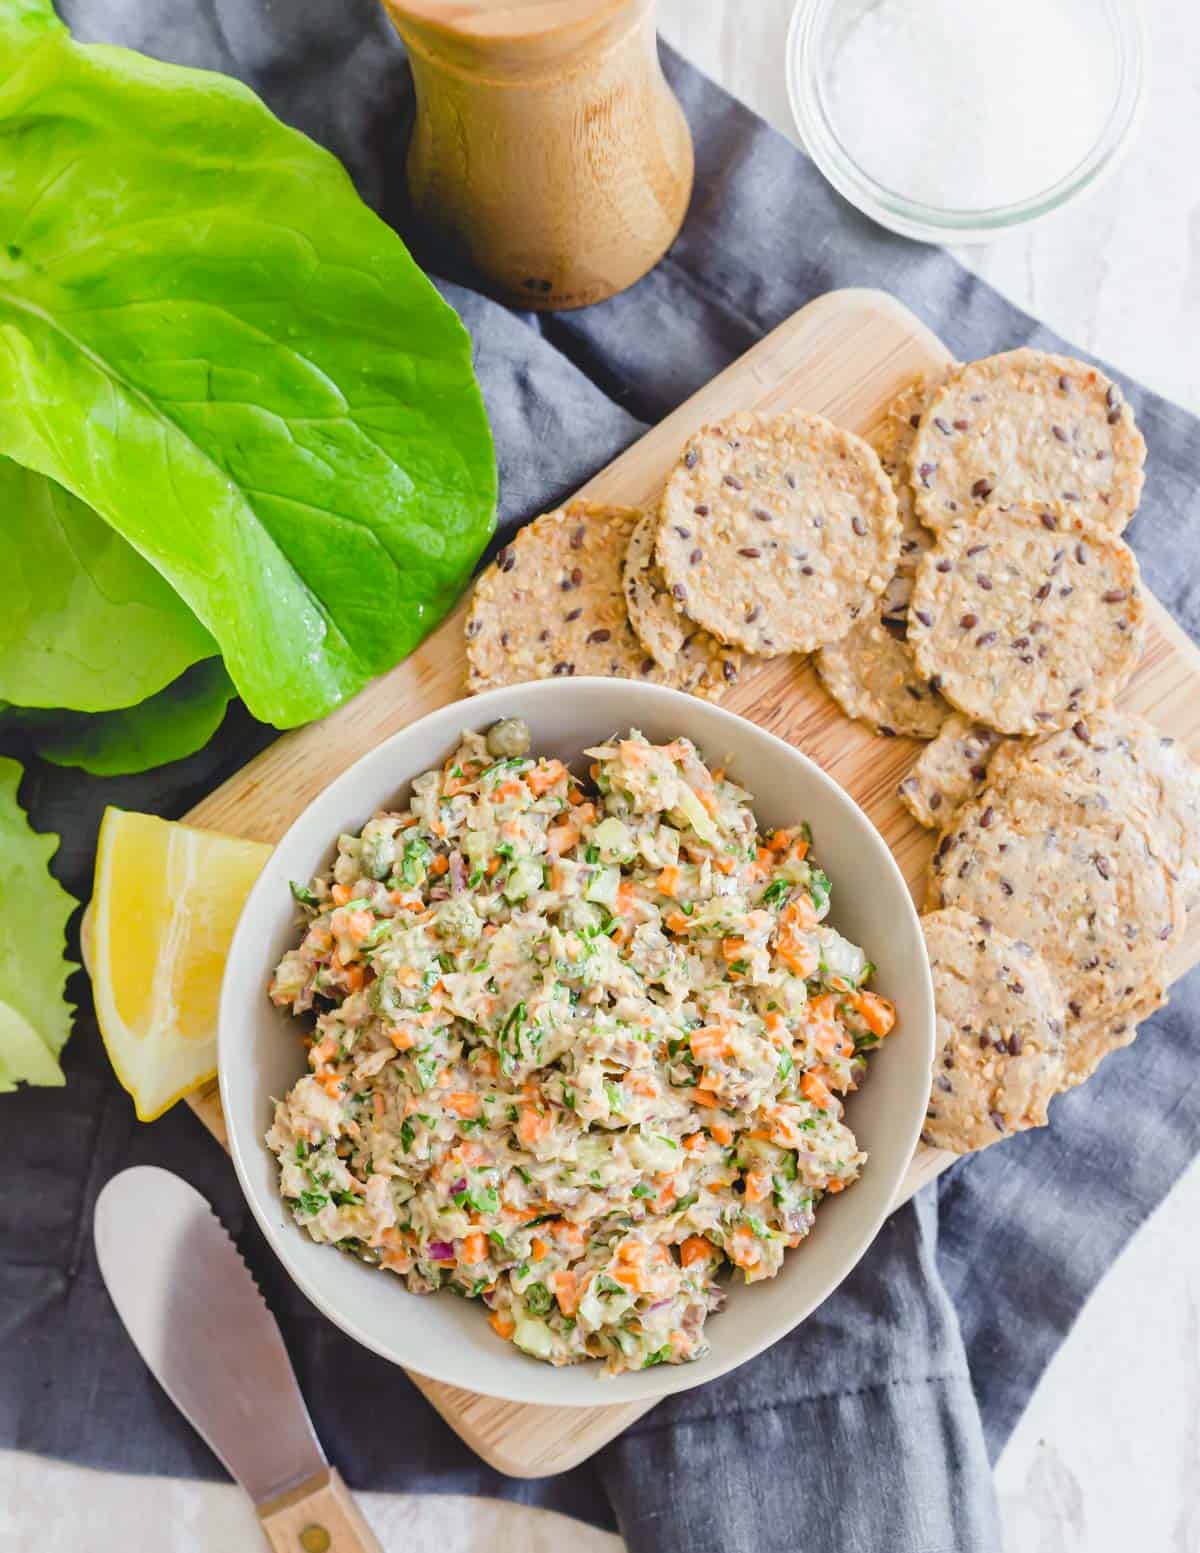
pixel 934 223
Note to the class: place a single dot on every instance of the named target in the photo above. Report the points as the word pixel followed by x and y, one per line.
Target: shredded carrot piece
pixel 566 1290
pixel 709 1043
pixel 668 880
pixel 744 1248
pixel 561 838
pixel 532 1127
pixel 876 1013
pixel 544 775
pixel 569 1232
pixel 758 1186
pixel 695 1249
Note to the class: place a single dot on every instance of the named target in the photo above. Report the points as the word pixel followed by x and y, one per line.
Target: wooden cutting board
pixel 844 355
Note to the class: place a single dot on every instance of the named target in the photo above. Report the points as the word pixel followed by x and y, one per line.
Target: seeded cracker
pixel 1050 860
pixel 689 657
pixel 1000 1025
pixel 892 440
pixel 551 603
pixel 1128 758
pixel 1092 1039
pixel 1026 618
pixel 777 533
pixel 871 676
pixel 1026 428
pixel 949 771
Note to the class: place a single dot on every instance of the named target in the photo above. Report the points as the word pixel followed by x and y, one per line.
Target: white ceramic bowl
pixel 260 1054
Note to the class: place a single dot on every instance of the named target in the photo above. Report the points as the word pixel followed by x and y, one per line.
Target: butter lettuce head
pixel 35 1018
pixel 207 338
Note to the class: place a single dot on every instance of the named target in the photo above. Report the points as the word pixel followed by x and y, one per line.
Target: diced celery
pixel 695 813
pixel 615 840
pixel 603 887
pixel 524 877
pixel 534 1337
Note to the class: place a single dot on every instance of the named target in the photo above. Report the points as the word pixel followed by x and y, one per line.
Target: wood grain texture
pixel 547 144
pixel 844 356
pixel 319 1516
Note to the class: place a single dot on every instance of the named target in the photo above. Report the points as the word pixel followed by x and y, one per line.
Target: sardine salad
pixel 578 1046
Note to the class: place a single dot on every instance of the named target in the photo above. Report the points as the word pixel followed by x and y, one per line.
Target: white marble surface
pixel 1106 1458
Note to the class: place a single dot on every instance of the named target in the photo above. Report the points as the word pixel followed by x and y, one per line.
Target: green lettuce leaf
pixel 208 338
pixel 35 1018
pixel 176 722
pixel 86 623
pixel 31 15
pixel 24 1056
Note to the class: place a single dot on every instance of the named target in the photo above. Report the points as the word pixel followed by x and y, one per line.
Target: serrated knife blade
pixel 197 1318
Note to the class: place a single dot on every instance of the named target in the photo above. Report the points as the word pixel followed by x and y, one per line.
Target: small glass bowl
pixel 811 64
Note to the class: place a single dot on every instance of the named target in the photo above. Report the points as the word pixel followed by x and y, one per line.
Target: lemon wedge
pixel 166 902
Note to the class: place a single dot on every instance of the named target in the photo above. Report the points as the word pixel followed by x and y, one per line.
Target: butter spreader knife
pixel 198 1320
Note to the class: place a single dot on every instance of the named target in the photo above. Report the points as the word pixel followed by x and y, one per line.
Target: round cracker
pixel 1126 756
pixel 871 675
pixel 1090 1040
pixel 1000 1034
pixel 1027 427
pixel 1027 618
pixel 949 771
pixel 892 440
pixel 689 657
pixel 1053 861
pixel 551 603
pixel 777 533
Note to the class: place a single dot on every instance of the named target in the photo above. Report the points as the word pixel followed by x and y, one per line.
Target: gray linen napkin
pixel 871 1426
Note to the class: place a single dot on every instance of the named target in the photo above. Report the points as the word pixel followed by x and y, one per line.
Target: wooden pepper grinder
pixel 547 143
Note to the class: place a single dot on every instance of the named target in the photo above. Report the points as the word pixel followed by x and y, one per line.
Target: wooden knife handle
pixel 319 1516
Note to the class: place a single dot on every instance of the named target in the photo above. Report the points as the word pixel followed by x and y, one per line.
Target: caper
pixel 508 738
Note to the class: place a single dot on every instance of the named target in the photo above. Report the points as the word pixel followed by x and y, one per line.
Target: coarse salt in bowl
pixel 953 122
pixel 260 1054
